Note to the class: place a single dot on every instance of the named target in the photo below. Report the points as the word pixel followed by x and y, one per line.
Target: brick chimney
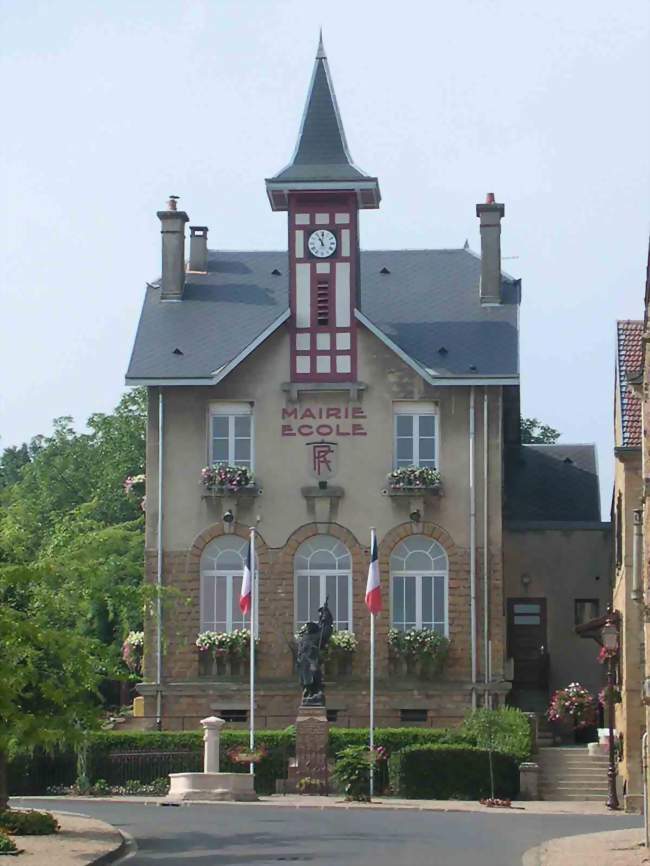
pixel 199 249
pixel 172 228
pixel 490 215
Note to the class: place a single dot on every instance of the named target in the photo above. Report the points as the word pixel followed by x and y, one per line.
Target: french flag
pixel 246 585
pixel 373 587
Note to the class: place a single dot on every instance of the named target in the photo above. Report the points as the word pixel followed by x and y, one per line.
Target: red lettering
pixel 308 414
pixel 357 412
pixel 340 432
pixel 305 430
pixel 324 430
pixel 333 413
pixel 287 430
pixel 358 430
pixel 290 413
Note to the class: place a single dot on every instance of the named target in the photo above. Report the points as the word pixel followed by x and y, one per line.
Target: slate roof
pixel 551 483
pixel 427 304
pixel 322 152
pixel 629 361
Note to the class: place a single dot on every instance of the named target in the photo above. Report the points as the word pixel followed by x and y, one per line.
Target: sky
pixel 111 107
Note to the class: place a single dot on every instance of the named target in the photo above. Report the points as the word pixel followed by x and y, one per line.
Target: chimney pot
pixel 172 229
pixel 199 249
pixel 490 215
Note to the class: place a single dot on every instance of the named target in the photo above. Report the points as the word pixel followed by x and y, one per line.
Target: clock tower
pixel 322 191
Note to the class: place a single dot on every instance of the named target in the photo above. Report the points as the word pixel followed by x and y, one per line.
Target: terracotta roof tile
pixel 629 350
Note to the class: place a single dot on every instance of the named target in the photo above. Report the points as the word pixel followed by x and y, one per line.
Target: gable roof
pixel 425 302
pixel 322 157
pixel 629 362
pixel 551 483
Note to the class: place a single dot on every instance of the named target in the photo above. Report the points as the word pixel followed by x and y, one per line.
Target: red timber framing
pixel 323 291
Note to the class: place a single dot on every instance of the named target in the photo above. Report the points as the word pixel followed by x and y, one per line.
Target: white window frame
pixel 418 575
pixel 231 411
pixel 230 575
pixel 322 573
pixel 417 410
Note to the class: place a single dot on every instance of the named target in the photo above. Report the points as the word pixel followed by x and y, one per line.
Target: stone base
pixel 212 786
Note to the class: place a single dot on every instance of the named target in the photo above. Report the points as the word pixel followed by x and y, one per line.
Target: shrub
pixel 28 823
pixel 7 845
pixel 395 739
pixel 352 772
pixel 508 729
pixel 444 772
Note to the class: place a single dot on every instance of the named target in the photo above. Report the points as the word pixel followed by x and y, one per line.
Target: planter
pixel 435 490
pixel 222 492
pixel 415 667
pixel 223 666
pixel 338 667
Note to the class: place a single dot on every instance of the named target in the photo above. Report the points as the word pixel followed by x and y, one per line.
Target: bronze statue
pixel 311 643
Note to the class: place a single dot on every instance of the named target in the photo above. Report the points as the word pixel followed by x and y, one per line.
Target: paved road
pixel 233 835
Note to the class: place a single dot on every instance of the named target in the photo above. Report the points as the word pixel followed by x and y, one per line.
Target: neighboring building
pixel 322 368
pixel 557 566
pixel 627 499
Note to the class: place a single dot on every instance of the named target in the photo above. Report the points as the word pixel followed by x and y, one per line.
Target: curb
pixel 115 854
pixel 532 857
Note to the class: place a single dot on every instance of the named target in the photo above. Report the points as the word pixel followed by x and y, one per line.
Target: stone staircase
pixel 571 773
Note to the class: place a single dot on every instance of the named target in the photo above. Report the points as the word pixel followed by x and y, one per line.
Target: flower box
pixel 417 653
pixel 413 479
pixel 222 479
pixel 226 667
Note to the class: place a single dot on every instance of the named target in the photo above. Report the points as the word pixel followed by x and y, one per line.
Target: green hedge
pixel 33 774
pixel 445 772
pixel 395 739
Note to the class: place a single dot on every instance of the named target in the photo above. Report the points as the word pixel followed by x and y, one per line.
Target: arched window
pixel 222 567
pixel 323 569
pixel 419 571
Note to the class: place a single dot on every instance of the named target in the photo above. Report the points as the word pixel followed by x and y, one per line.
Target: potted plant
pixel 223 478
pixel 414 478
pixel 133 650
pixel 572 710
pixel 134 487
pixel 419 652
pixel 223 653
pixel 339 653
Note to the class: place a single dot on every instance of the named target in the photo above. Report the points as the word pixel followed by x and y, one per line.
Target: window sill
pixel 293 389
pixel 413 491
pixel 322 492
pixel 223 492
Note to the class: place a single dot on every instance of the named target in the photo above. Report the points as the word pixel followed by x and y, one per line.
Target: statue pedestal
pixel 309 771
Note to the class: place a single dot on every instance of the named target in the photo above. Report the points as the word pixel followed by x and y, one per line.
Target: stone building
pixel 322 367
pixel 626 590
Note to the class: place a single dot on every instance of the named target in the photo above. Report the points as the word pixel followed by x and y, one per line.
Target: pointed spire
pixel 320 53
pixel 321 154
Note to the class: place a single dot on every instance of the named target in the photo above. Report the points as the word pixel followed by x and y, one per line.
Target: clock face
pixel 322 243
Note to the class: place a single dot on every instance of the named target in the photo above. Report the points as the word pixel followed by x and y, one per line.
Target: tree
pixel 534 432
pixel 49 673
pixel 65 508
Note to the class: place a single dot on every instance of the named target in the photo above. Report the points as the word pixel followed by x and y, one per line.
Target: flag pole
pixel 251 715
pixel 373 546
pixel 372 703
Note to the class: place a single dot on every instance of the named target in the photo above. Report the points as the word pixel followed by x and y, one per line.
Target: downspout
pixel 486 550
pixel 644 764
pixel 159 564
pixel 472 537
pixel 637 555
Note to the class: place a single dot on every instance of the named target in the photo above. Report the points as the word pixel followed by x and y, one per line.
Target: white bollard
pixel 211 728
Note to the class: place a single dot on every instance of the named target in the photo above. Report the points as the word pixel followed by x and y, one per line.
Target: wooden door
pixel 527 641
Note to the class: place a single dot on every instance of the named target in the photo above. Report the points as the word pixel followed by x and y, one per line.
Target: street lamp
pixel 609 636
